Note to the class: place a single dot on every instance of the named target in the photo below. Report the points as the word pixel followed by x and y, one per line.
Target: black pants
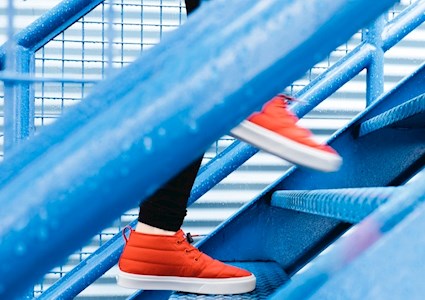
pixel 166 208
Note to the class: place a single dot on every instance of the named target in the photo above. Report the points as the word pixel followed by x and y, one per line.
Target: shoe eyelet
pixel 196 259
pixel 186 250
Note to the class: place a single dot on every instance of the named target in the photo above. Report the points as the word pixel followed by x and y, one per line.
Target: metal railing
pixel 17 85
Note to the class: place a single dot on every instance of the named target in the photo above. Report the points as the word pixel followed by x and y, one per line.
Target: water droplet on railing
pixel 147 142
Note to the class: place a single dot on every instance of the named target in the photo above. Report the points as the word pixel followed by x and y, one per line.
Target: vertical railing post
pixel 19 99
pixel 375 70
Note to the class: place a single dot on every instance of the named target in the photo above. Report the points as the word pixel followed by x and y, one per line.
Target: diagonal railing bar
pixel 332 79
pixel 233 156
pixel 403 24
pixel 359 58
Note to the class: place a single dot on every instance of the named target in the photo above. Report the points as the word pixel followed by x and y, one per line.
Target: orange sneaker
pixel 162 262
pixel 274 130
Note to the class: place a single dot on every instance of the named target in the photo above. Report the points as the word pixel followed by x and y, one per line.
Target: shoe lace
pixel 124 231
pixel 189 240
pixel 288 99
pixel 289 120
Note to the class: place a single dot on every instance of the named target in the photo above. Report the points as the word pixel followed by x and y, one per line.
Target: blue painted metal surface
pixel 150 295
pixel 375 69
pixel 348 205
pixel 69 175
pixel 333 78
pixel 361 238
pixel 405 22
pixel 19 100
pixel 391 269
pixel 396 115
pixel 358 59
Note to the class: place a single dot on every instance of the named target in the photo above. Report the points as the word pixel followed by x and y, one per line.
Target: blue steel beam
pixel 18 101
pixel 375 69
pixel 85 180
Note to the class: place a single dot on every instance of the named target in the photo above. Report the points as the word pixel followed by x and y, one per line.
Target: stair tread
pixel 410 114
pixel 270 276
pixel 348 204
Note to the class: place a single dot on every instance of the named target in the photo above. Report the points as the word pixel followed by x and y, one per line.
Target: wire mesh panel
pixel 84 52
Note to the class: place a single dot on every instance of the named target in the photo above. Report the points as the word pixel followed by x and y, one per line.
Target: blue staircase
pixel 308 234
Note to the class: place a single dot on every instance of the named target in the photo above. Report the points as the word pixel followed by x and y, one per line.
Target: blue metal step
pixel 269 275
pixel 350 205
pixel 410 114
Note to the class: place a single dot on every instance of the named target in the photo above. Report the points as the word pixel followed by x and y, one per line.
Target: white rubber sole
pixel 187 284
pixel 285 148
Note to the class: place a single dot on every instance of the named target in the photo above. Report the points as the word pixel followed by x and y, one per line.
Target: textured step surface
pixel 350 205
pixel 269 277
pixel 407 115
